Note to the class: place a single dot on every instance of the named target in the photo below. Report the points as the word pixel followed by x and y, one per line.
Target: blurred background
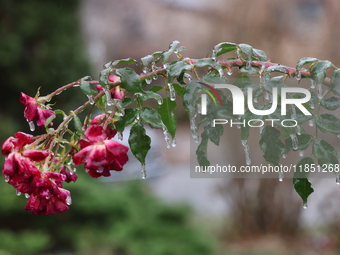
pixel 51 43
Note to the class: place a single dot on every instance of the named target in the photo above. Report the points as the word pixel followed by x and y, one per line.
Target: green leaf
pixel 277 68
pixel 247 50
pixel 245 129
pixel 58 111
pixel 168 118
pixel 304 61
pixel 319 71
pixel 214 133
pixel 147 60
pixel 139 142
pixel 301 184
pixel 103 77
pixel 325 153
pixel 179 89
pixel 331 103
pixel 130 80
pixel 243 82
pixel 201 151
pixel 224 47
pixel 49 120
pixel 208 62
pixel 328 123
pixel 335 82
pixel 166 54
pixel 149 94
pixel 152 117
pixel 260 55
pixel 77 123
pixel 271 145
pixel 189 97
pixel 127 119
pixel 156 88
pixel 102 103
pixel 212 79
pixel 85 87
pixel 125 61
pixel 128 101
pixel 177 67
pixel 303 142
pixel 250 71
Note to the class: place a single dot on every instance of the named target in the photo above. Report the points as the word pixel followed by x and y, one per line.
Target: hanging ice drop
pixel 305 206
pixel 120 136
pixel 6 178
pixel 298 75
pixel 172 92
pixel 31 125
pixel 174 142
pixel 246 151
pixel 27 195
pixel 143 171
pixel 311 123
pixel 294 141
pixel 320 90
pixel 69 200
pixel 301 153
pixel 312 84
pixel 166 138
pixel 281 176
pixel 91 100
pixel 108 97
pixel 18 192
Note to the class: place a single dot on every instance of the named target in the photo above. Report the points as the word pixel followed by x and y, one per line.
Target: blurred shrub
pixel 40 46
pixel 103 219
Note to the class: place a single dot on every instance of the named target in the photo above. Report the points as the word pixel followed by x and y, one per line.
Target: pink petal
pixel 83 143
pixel 35 155
pixel 10 166
pixel 97 157
pixel 82 156
pixel 113 78
pixel 99 88
pixel 42 116
pixel 7 146
pixel 99 119
pixel 118 94
pixel 95 134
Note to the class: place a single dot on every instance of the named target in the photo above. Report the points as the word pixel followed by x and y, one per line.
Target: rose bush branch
pixel 38 166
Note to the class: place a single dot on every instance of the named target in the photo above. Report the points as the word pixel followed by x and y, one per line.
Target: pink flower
pixel 100 154
pixel 50 205
pixel 20 170
pixel 113 78
pixel 116 93
pixel 34 111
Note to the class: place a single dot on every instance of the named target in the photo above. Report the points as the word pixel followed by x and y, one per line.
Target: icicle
pixel 293 115
pixel 137 116
pixel 311 123
pixel 194 131
pixel 6 178
pixel 199 108
pixel 76 85
pixel 301 153
pixel 266 95
pixel 305 206
pixel 337 179
pixel 284 155
pixel 298 127
pixel 213 55
pixel 118 103
pixel 248 65
pixel 27 195
pixel 256 100
pixel 174 142
pixel 246 151
pixel 166 137
pixel 91 100
pixel 230 71
pixel 312 84
pixel 320 90
pixel 238 118
pixel 294 141
pixel 74 170
pixel 31 125
pixel 298 75
pixel 221 73
pixel 172 92
pixel 108 97
pixel 160 101
pixel 165 66
pixel 153 67
pixel 311 105
pixel 188 76
pixel 18 192
pixel 145 70
pixel 100 170
pixel 69 200
pixel 120 136
pixel 280 176
pixel 143 171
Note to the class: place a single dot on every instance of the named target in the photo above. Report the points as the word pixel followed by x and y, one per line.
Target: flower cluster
pixel 99 153
pixel 23 170
pixel 34 110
